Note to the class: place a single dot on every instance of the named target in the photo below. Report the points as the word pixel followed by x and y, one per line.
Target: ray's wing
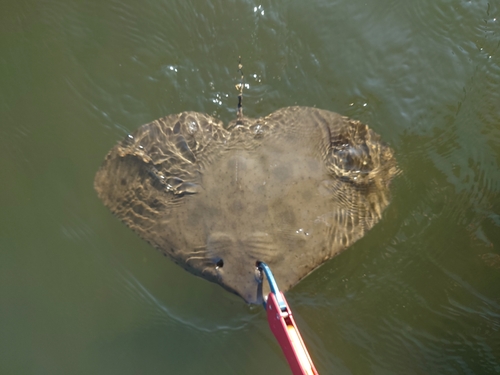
pixel 150 172
pixel 359 168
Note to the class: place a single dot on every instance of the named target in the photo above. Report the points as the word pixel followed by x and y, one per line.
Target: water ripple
pixel 165 315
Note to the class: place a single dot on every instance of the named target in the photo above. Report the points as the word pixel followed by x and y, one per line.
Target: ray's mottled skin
pixel 292 189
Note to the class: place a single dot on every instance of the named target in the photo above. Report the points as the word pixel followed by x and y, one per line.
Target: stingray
pixel 292 189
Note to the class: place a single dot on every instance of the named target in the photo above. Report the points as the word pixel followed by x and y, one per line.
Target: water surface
pixel 81 294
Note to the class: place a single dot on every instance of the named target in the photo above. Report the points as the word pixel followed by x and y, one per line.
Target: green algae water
pixel 81 294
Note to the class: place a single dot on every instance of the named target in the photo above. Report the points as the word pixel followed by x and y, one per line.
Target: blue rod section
pixel 273 285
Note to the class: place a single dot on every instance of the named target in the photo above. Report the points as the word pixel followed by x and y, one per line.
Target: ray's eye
pixel 219 264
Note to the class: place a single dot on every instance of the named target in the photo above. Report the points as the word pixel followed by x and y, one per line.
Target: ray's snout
pixel 244 280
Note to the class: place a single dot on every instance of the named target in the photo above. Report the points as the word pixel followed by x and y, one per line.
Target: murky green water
pixel 81 294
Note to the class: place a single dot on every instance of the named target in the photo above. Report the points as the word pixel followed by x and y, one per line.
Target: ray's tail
pixel 239 87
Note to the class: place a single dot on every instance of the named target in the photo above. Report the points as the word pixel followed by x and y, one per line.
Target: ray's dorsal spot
pixel 292 189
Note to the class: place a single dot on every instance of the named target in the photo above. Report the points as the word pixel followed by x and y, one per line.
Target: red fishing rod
pixel 282 324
